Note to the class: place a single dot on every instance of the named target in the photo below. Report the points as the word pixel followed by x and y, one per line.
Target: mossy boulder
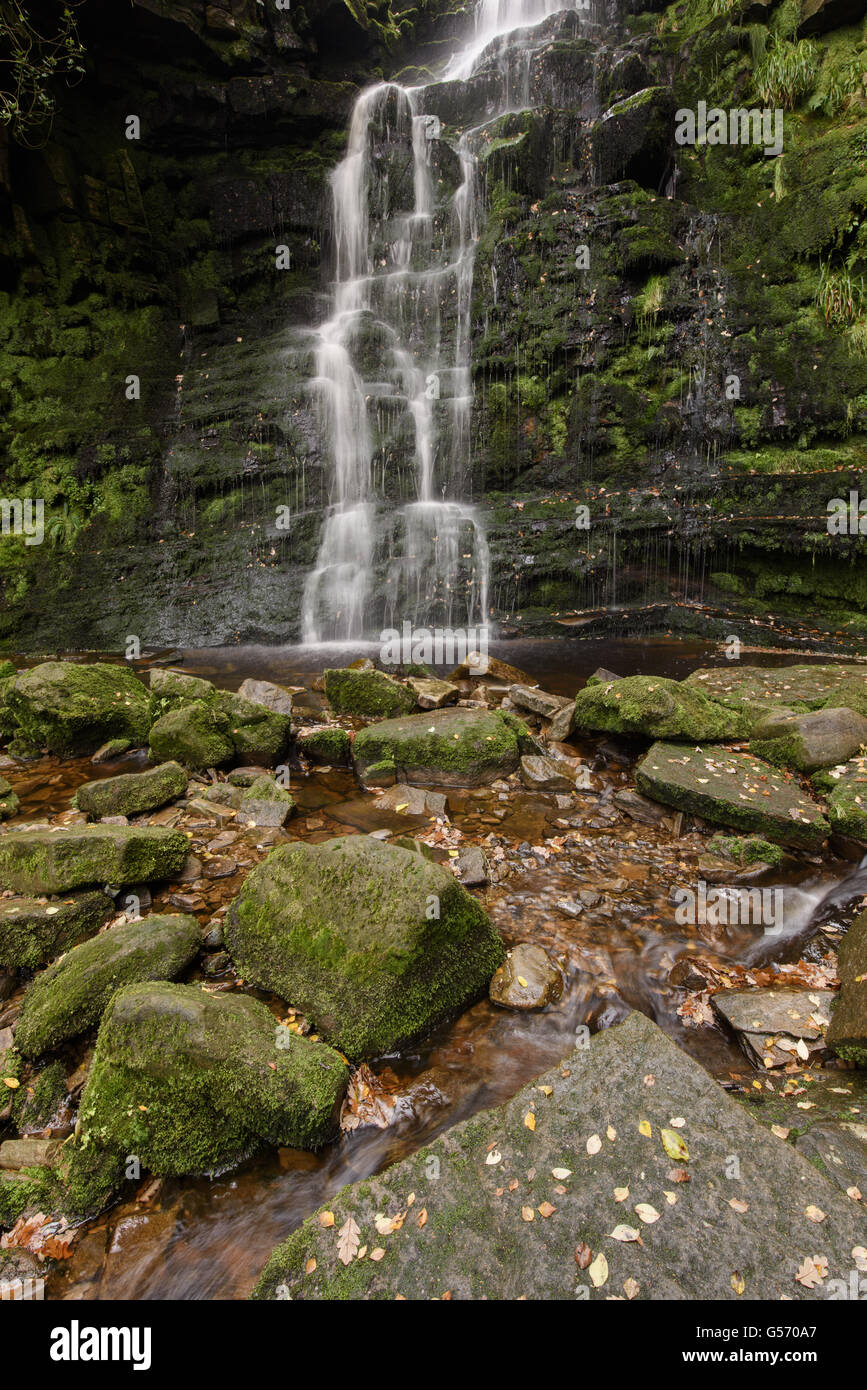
pixel 72 994
pixel 374 942
pixel 36 1105
pixel 265 803
pixel 847 1032
pixel 846 789
pixel 33 931
pixel 71 708
pixel 258 734
pixel 448 747
pixel 329 744
pixel 9 803
pixel 371 694
pixel 133 792
pixel 746 850
pixel 478 1241
pixel 174 689
pixel 732 789
pixel 655 707
pixel 808 742
pixel 194 734
pixel 53 861
pixel 191 1082
pixel 756 690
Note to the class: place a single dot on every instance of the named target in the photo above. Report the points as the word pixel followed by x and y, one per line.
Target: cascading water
pixel 392 363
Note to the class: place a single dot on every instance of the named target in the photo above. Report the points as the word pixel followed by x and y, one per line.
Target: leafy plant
pixel 62 530
pixel 36 52
pixel 839 296
pixel 787 73
pixel 648 303
pixel 844 82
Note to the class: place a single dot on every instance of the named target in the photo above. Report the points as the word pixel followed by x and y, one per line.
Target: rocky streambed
pixel 256 945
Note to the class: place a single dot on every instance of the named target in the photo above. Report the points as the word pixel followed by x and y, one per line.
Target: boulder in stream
pixel 68 707
pixel 33 931
pixel 756 690
pixel 265 803
pixel 371 694
pixel 846 789
pixel 132 792
pixel 809 742
pixel 527 979
pixel 448 747
pixel 71 995
pixel 375 943
pixel 655 707
pixel 72 856
pixel 506 1204
pixel 732 789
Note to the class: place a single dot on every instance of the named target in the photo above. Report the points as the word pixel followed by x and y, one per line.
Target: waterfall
pixel 392 364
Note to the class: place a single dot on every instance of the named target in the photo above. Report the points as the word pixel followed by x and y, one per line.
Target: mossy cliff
pixel 699 385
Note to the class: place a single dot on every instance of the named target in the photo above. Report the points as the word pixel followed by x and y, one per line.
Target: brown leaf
pixel 583 1255
pixel 347 1240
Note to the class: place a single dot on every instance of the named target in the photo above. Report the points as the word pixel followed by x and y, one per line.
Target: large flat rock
pixel 732 789
pixel 52 861
pixel 446 747
pixel 466 1234
pixel 32 931
pixel 802 687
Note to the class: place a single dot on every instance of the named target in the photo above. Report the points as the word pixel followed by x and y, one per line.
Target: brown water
pixel 201 1238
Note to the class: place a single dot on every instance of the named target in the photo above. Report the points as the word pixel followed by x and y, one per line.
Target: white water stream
pixel 392 363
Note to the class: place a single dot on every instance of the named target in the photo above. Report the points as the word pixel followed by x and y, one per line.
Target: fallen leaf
pixel 814 1214
pixel 647 1213
pixel 812 1271
pixel 737 1283
pixel 674 1146
pixel 583 1255
pixel 644 1128
pixel 598 1271
pixel 422 1218
pixel 625 1233
pixel 546 1210
pixel 611 1133
pixel 310 1265
pixel 737 1204
pixel 594 1144
pixel 561 1173
pixel 347 1240
pixel 620 1194
pixel 530 1120
pixel 631 1287
pixel 528 1214
pixel 494 1157
pixel 326 1218
pixel 377 1254
pixel 780 1130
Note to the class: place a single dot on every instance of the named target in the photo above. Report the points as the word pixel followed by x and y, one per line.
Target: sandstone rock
pixel 527 979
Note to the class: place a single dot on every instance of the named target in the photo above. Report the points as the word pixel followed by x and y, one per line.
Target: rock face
pixel 527 979
pixel 847 1034
pixel 731 789
pixel 482 1240
pixel 191 1082
pixel 655 707
pixel 132 792
pixel 450 747
pixel 52 861
pixel 432 694
pixel 33 932
pixel 71 708
pixel 71 995
pixel 545 775
pixel 812 741
pixel 770 1023
pixel 846 788
pixel 372 694
pixel 273 697
pixel 374 942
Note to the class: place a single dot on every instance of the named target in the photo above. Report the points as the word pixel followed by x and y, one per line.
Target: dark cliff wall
pixel 603 387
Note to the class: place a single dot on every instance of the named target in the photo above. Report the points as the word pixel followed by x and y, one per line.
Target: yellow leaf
pixel 737 1283
pixel 422 1218
pixel 11 1082
pixel 620 1194
pixel 546 1210
pixel 310 1266
pixel 530 1120
pixel 674 1146
pixel 647 1213
pixel 814 1214
pixel 402 807
pixel 546 1090
pixel 644 1128
pixel 625 1233
pixel 528 1214
pixel 611 1133
pixel 522 981
pixel 598 1271
pixel 594 1144
pixel 326 1218
pixel 377 1254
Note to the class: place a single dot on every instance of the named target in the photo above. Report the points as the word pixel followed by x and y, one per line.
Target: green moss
pixel 326 745
pixel 458 747
pixel 36 1103
pixel 32 932
pixel 370 694
pixel 71 708
pixel 749 850
pixel 196 735
pixel 132 792
pixel 655 707
pixel 52 861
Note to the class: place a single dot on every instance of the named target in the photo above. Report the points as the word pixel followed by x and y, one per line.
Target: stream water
pixel 580 879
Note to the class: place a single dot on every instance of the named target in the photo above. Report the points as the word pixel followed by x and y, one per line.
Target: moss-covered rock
pixel 732 789
pixel 9 802
pixel 36 1104
pixel 846 789
pixel 191 1082
pixel 329 744
pixel 71 708
pixel 808 742
pixel 194 734
pixel 372 694
pixel 847 1032
pixel 28 1190
pixel 448 747
pixel 33 932
pixel 374 942
pixel 746 850
pixel 132 792
pixel 265 803
pixel 52 861
pixel 174 689
pixel 757 690
pixel 258 734
pixel 654 707
pixel 72 994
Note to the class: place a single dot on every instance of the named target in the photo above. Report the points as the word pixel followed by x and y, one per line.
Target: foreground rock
pixel 546 775
pixel 527 979
pixel 655 707
pixel 192 1082
pixel 71 995
pixel 412 801
pixel 265 803
pixel 847 1034
pixel 449 747
pixel 200 726
pixel 133 792
pixel 371 694
pixel 846 788
pixel 71 708
pixel 32 932
pixel 375 943
pixel 732 789
pixel 812 741
pixel 52 861
pixel 482 1240
pixel 195 735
